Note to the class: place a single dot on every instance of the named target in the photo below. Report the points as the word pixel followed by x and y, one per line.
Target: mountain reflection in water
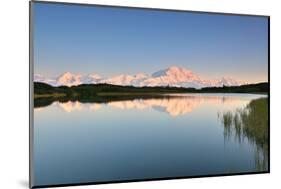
pixel 175 105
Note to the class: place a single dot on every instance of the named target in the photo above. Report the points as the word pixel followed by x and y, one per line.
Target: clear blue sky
pixel 112 41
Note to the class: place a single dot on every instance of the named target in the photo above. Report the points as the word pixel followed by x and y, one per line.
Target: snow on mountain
pixel 172 76
pixel 125 79
pixel 122 79
pixel 227 81
pixel 177 73
pixel 69 79
pixel 92 78
pixel 40 78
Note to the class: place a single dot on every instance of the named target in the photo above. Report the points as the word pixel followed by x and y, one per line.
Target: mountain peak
pixel 175 68
pixel 66 74
pixel 172 67
pixel 175 76
pixel 69 79
pixel 179 70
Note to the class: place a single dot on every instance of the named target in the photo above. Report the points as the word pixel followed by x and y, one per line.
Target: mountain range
pixel 172 76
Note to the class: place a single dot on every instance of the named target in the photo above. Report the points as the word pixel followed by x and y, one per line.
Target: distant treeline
pixel 86 90
pixel 45 94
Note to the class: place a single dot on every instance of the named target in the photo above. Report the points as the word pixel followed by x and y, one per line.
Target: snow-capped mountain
pixel 92 78
pixel 172 76
pixel 50 81
pixel 227 81
pixel 124 79
pixel 69 79
pixel 119 80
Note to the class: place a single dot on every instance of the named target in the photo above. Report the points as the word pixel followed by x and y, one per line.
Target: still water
pixel 173 136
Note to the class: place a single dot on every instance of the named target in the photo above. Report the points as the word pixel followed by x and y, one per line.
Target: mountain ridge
pixel 173 76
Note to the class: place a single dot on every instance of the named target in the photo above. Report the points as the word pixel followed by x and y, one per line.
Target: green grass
pixel 54 95
pixel 251 123
pixel 128 94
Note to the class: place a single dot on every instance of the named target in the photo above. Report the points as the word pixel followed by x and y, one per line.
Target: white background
pixel 14 103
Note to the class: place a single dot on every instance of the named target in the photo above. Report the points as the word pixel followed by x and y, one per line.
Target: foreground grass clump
pixel 250 123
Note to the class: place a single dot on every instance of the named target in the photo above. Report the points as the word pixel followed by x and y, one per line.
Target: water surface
pixel 173 136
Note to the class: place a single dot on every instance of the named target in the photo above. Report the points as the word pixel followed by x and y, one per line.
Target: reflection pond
pixel 80 141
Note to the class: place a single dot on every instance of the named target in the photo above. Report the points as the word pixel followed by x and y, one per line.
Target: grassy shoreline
pixel 49 95
pixel 58 95
pixel 43 90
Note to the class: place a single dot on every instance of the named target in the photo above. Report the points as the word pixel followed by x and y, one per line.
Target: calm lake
pixel 174 136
